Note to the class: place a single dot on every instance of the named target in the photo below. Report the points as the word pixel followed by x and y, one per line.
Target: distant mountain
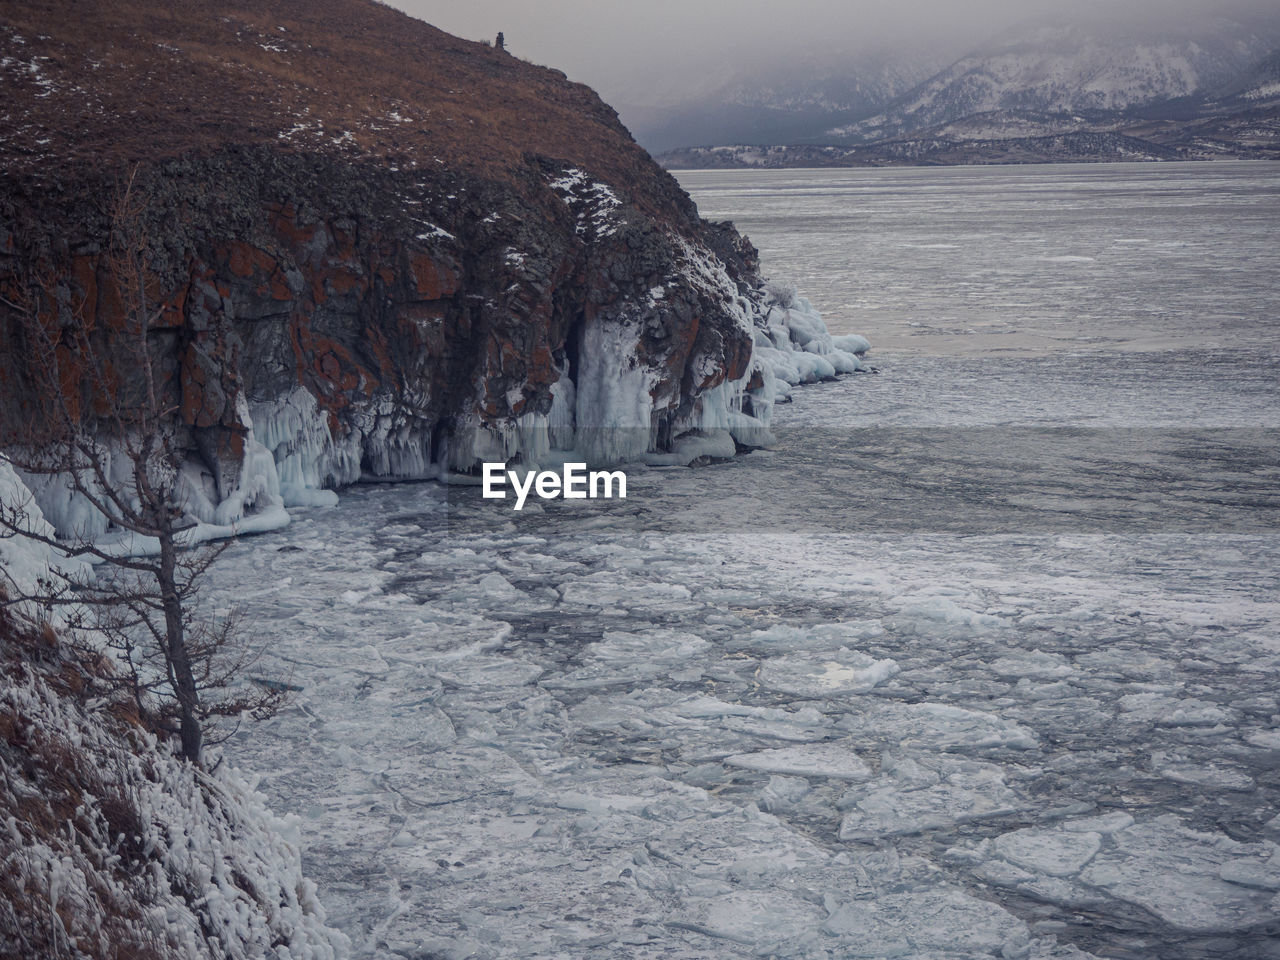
pixel 926 151
pixel 1069 69
pixel 792 100
pixel 1058 91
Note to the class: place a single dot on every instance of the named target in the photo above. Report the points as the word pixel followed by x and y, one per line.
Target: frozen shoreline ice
pixel 642 758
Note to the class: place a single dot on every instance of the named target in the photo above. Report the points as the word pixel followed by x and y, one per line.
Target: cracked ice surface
pixel 645 728
pixel 1192 881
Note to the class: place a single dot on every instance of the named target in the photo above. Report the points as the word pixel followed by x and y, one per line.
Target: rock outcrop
pixel 366 271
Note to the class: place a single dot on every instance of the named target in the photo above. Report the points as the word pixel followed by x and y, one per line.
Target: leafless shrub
pixel 781 293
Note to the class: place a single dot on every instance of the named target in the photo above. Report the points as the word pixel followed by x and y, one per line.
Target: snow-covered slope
pixel 113 848
pixel 1257 85
pixel 1070 69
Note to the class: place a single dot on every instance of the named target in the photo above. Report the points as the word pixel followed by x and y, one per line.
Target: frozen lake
pixel 1021 259
pixel 980 661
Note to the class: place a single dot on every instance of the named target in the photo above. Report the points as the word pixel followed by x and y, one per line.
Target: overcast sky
pixel 648 51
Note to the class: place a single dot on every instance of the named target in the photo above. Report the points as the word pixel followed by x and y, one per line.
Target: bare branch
pixel 87 427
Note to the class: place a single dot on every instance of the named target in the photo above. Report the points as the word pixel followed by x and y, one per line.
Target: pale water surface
pixel 1021 259
pixel 982 660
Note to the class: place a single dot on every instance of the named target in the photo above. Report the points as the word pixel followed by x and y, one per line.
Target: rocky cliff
pixel 380 251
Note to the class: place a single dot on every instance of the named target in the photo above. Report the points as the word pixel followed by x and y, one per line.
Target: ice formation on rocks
pixel 296 455
pixel 792 340
pixel 24 562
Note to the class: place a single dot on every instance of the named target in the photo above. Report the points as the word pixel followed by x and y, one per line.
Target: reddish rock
pixel 432 280
pixel 283 262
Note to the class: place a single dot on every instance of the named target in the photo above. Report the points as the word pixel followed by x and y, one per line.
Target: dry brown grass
pixel 144 78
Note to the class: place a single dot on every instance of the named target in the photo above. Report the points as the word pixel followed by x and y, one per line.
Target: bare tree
pixel 100 416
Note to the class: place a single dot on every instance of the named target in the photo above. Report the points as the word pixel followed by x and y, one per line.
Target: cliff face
pixel 381 251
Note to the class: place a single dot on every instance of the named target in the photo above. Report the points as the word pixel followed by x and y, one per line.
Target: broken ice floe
pixel 625 658
pixel 937 726
pixel 833 760
pixel 1195 882
pixel 936 923
pixel 838 674
pixel 914 796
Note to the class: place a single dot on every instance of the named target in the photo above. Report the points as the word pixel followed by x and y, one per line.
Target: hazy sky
pixel 651 50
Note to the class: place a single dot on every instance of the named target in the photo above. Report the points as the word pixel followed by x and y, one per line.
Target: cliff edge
pixel 377 250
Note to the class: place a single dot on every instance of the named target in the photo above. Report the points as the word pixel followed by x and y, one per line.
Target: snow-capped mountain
pixel 1053 92
pixel 1069 69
